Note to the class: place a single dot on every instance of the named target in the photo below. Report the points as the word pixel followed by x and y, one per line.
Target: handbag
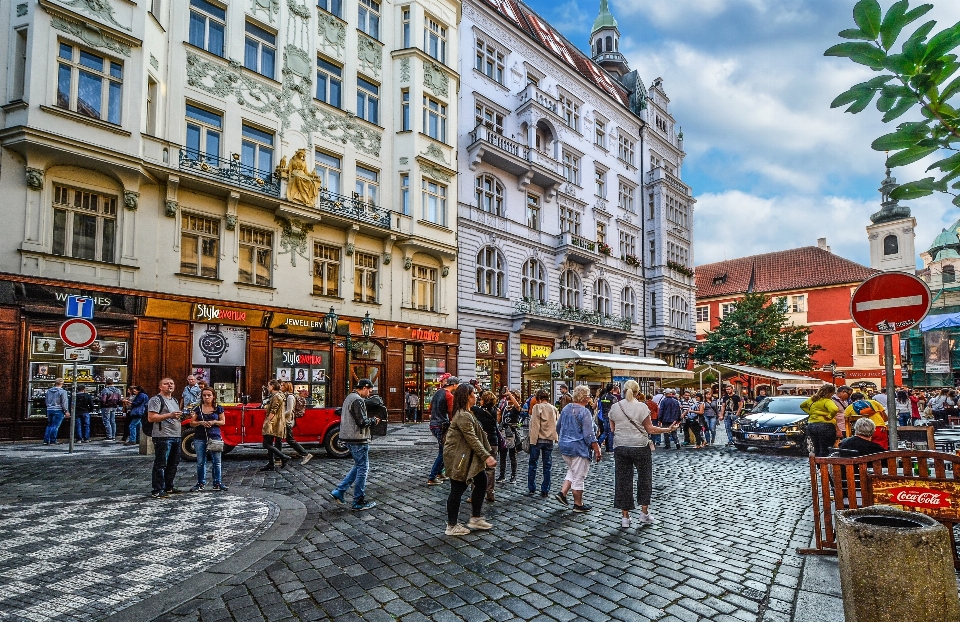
pixel 525 444
pixel 214 446
pixel 509 438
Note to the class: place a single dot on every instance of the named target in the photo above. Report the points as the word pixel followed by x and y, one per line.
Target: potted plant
pixel 604 248
pixel 632 260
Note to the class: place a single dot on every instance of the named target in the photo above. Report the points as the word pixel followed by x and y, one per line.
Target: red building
pixel 817 286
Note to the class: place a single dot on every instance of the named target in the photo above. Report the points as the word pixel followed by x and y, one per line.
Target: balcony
pixel 353 208
pixel 576 248
pixel 554 314
pixel 533 96
pixel 659 174
pixel 528 164
pixel 229 172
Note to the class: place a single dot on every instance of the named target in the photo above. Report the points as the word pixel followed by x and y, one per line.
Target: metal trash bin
pixel 895 566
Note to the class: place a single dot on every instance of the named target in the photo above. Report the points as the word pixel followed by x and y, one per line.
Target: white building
pixel 892 233
pixel 149 160
pixel 572 215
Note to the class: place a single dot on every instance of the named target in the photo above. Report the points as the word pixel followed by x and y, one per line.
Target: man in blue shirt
pixel 58 408
pixel 578 444
pixel 669 413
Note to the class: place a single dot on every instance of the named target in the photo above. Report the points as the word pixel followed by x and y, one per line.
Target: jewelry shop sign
pixel 937 498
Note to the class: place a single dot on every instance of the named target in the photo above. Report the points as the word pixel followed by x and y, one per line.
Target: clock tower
pixel 891 233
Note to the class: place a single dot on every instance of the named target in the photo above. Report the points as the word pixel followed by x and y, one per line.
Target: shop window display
pixel 305 369
pixel 433 368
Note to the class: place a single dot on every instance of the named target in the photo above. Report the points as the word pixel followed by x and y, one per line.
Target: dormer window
pixel 720 280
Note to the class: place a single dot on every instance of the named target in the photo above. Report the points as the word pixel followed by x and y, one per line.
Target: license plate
pixel 758 437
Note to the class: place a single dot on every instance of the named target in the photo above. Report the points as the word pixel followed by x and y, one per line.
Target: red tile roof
pixel 795 269
pixel 547 36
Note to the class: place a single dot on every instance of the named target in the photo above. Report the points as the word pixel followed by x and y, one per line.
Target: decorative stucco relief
pixel 293 238
pixel 370 55
pixel 270 7
pixel 435 79
pixel 332 34
pixel 404 70
pixel 100 9
pixel 90 35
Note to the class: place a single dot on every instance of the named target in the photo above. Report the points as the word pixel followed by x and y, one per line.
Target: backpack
pixel 299 407
pixel 146 425
pixel 110 399
pixel 863 408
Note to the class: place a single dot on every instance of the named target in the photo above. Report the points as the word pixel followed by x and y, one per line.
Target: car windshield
pixel 780 405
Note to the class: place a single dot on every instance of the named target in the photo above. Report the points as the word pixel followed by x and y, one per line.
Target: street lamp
pixel 564 343
pixel 366 325
pixel 330 323
pixel 580 345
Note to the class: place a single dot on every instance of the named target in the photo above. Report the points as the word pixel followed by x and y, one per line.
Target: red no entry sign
pixel 78 333
pixel 890 303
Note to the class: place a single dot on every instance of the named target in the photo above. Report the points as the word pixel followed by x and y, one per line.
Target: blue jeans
pixel 109 421
pixel 606 437
pixel 903 418
pixel 200 446
pixel 134 428
pixel 82 426
pixel 165 462
pixel 438 463
pixel 541 449
pixel 728 422
pixel 358 474
pixel 710 434
pixel 54 419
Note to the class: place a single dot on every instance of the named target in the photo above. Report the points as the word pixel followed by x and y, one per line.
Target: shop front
pixel 533 353
pixel 492 370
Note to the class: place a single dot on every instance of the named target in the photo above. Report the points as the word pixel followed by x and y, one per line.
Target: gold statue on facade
pixel 303 185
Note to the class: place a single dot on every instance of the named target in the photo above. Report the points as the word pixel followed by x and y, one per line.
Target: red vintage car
pixel 318 427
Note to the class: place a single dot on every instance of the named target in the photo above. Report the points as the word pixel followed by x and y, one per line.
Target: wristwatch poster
pixel 213 344
pixel 218 345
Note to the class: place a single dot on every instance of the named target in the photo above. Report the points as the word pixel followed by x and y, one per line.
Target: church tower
pixel 605 43
pixel 891 233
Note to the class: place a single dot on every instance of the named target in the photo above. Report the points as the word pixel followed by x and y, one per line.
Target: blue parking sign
pixel 80 306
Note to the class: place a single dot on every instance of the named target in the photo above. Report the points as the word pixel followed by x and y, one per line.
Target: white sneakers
pixel 625 522
pixel 477 522
pixel 646 519
pixel 456 530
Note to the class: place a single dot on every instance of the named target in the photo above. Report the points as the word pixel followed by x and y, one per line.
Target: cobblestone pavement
pixel 722 549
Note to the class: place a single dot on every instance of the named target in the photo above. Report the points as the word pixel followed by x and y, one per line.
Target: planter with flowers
pixel 682 269
pixel 604 248
pixel 632 260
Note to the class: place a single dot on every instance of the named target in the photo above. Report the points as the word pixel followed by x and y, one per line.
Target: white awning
pixel 620 364
pixel 779 376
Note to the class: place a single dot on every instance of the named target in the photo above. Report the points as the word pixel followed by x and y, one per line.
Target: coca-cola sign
pixel 937 498
pixel 920 497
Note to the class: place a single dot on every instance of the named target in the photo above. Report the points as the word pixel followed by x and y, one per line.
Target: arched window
pixel 490 272
pixel 599 45
pixel 949 274
pixel 628 304
pixel 570 289
pixel 534 280
pixel 601 297
pixel 609 43
pixel 679 312
pixel 490 194
pixel 891 245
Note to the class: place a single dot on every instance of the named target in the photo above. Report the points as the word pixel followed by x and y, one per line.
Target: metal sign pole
pixel 73 405
pixel 891 391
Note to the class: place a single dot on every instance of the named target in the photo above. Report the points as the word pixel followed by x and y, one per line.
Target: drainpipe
pixel 643 243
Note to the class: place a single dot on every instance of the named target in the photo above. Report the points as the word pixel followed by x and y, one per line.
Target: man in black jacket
pixel 355 434
pixel 441 409
pixel 83 409
pixel 668 414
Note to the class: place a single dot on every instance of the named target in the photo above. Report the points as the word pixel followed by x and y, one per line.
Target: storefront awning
pixel 604 366
pixel 943 320
pixel 781 377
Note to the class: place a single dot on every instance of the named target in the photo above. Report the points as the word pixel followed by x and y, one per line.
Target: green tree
pixel 919 75
pixel 759 333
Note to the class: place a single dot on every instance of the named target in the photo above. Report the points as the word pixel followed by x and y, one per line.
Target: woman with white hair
pixel 578 442
pixel 863 430
pixel 631 426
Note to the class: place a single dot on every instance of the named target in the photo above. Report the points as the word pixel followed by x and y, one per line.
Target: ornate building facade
pixel 574 224
pixel 213 172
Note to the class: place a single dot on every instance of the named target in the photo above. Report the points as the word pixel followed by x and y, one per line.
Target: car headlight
pixel 735 425
pixel 791 429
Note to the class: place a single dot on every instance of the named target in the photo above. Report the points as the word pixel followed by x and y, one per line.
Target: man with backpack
pixel 862 407
pixel 441 408
pixel 111 404
pixel 163 421
pixel 82 410
pixel 609 397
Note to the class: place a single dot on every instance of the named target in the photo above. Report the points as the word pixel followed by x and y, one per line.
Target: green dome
pixel 947 253
pixel 946 238
pixel 605 19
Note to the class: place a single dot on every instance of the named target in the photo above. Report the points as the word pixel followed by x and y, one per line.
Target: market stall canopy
pixel 943 320
pixel 603 366
pixel 781 377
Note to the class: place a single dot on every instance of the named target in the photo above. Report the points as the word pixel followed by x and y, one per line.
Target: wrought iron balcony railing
pixel 557 311
pixel 229 171
pixel 353 207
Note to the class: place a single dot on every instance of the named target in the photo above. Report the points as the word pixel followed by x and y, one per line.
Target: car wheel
pixel 740 446
pixel 227 448
pixel 333 446
pixel 186 447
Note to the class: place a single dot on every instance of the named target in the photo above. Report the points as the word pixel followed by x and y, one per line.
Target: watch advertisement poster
pixel 219 345
pixel 43 371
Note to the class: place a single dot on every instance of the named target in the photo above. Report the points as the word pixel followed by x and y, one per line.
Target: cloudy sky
pixel 771 165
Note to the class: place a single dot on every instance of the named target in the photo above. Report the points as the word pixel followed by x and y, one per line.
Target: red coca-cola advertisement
pixel 937 498
pixel 920 498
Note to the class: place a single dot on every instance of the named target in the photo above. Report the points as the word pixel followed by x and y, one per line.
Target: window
pixel 326 270
pixel 727 308
pixel 891 245
pixel 569 220
pixel 199 245
pixel 84 224
pixel 534 281
pixel 797 304
pixel 405 26
pixel 405 194
pixel 628 304
pixel 435 40
pixel 365 277
pixel 661 124
pixel 367 185
pixel 20 65
pixel 256 254
pixel 571 112
pixel 628 244
pixel 571 167
pixel 153 92
pixel 260 51
pixel 601 297
pixel 424 290
pixel 866 343
pixel 678 254
pixel 533 211
pixel 676 211
pixel 490 194
pixel 328 170
pixel 434 119
pixel 329 83
pixel 207 22
pixel 653 309
pixel 369 17
pixel 533 80
pixel 256 150
pixel 703 314
pixel 155 7
pixel 653 252
pixel 570 289
pixel 489 118
pixel 489 61
pixel 405 110
pixel 679 312
pixel 650 205
pixel 89 84
pixel 626 197
pixel 948 274
pixel 490 272
pixel 203 134
pixel 625 149
pixel 600 178
pixel 332 6
pixel 600 134
pixel 601 233
pixel 368 101
pixel 434 202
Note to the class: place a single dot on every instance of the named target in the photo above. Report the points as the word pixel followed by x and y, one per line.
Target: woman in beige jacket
pixel 466 455
pixel 274 426
pixel 543 434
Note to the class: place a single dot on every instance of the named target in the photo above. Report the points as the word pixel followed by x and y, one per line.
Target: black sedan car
pixel 775 423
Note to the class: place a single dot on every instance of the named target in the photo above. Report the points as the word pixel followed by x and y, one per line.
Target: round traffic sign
pixel 889 303
pixel 78 333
